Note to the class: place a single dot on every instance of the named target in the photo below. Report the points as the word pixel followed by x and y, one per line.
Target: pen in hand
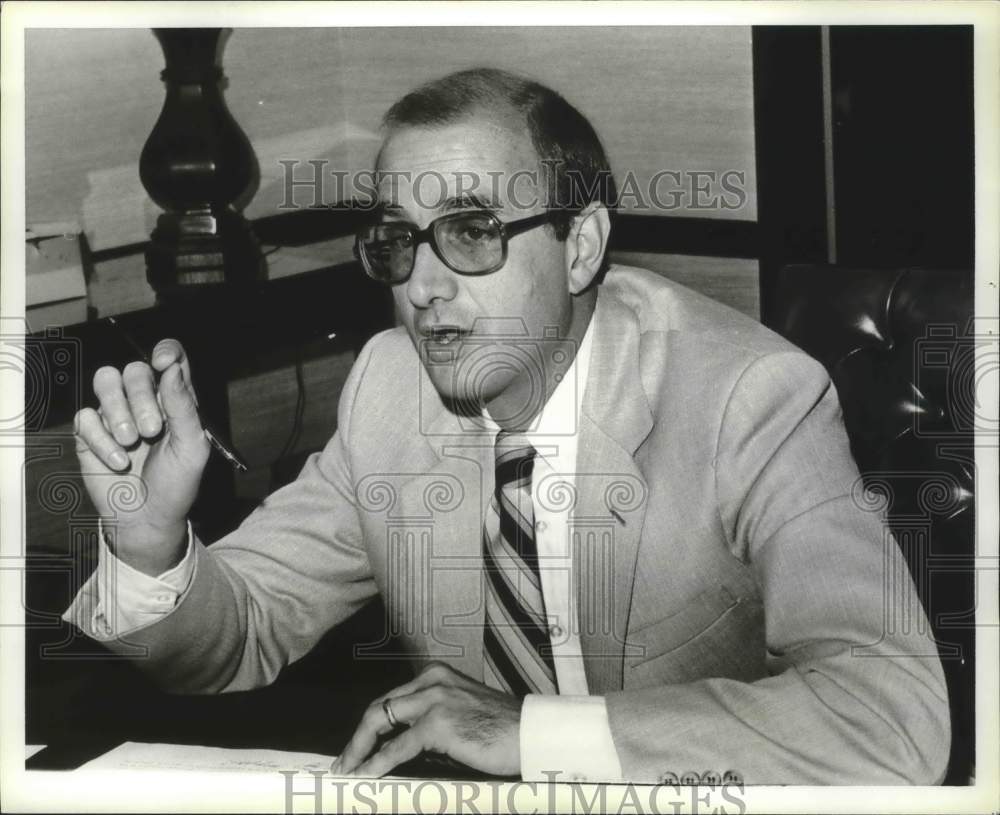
pixel 227 451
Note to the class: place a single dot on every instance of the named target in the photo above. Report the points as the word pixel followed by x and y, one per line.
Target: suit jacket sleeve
pixel 858 693
pixel 263 596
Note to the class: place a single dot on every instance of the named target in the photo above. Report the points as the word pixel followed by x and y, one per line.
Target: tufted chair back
pixel 900 349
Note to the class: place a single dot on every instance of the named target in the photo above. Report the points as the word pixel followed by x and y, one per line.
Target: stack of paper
pixel 56 292
pixel 140 756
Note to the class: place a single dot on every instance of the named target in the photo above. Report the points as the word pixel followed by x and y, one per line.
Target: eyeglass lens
pixel 467 242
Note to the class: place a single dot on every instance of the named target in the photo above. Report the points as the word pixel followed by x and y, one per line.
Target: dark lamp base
pixel 192 250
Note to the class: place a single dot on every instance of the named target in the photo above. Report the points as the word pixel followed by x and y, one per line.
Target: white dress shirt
pixel 566 734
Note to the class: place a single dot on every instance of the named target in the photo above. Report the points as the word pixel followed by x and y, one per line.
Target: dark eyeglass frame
pixel 506 230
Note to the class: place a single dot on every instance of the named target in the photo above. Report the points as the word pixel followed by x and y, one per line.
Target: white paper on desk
pixel 141 756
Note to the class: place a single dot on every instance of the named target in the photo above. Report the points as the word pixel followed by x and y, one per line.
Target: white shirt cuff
pixel 124 599
pixel 567 738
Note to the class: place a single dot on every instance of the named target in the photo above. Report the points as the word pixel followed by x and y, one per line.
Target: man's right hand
pixel 152 432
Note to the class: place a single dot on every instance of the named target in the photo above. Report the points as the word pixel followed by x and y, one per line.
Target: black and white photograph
pixel 500 407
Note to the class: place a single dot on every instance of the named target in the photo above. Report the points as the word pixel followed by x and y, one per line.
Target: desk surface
pixel 158 757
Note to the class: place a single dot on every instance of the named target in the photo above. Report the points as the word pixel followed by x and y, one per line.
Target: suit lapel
pixel 445 504
pixel 611 492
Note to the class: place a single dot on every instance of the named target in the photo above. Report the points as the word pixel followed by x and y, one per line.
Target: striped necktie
pixel 516 647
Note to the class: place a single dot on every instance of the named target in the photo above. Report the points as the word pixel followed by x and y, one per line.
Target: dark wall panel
pixel 903 145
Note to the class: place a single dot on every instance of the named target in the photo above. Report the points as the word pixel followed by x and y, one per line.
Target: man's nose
pixel 430 280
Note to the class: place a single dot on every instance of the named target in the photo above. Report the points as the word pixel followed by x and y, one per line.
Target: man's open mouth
pixel 443 335
pixel 441 343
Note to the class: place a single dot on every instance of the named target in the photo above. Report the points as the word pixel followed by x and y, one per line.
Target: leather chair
pixel 900 349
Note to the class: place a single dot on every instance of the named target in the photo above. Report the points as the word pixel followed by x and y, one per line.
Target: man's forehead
pixel 473 137
pixel 477 155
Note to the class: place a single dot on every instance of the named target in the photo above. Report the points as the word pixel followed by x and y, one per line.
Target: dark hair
pixel 574 163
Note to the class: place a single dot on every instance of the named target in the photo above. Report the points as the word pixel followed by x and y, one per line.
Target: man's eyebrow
pixel 470 201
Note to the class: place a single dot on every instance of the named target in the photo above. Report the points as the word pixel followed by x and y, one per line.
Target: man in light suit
pixel 616 524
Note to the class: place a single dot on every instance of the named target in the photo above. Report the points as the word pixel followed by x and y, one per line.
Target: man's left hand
pixel 447 713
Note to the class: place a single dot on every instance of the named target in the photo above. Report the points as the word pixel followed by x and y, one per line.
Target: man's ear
pixel 586 244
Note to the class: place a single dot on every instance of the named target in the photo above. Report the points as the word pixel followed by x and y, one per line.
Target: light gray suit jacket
pixel 738 607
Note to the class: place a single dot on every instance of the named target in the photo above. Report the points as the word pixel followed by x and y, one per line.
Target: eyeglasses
pixel 470 243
